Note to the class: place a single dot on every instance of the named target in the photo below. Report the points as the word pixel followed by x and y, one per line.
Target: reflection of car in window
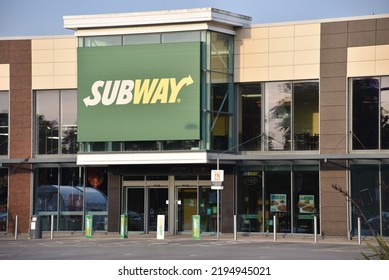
pixel 72 205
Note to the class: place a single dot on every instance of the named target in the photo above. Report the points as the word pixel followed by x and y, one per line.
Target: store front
pixel 178 198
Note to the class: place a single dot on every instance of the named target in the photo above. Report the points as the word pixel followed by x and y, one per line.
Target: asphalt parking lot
pixel 147 247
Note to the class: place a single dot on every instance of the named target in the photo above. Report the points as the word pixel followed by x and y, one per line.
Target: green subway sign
pixel 139 92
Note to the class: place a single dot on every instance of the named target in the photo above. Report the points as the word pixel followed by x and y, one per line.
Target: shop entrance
pixel 143 204
pixel 178 200
pixel 191 201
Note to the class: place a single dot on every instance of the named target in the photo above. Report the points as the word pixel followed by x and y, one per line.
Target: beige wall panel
pixel 308 71
pixel 259 33
pixel 43 82
pixel 65 55
pixel 281 44
pixel 255 74
pixel 64 82
pixel 255 60
pixel 281 31
pixel 307 43
pixel 361 54
pixel 4 83
pixel 307 57
pixel 42 44
pixel 4 77
pixel 364 68
pixel 255 46
pixel 382 67
pixel 65 68
pixel 382 52
pixel 307 29
pixel 65 43
pixel 281 58
pixel 281 73
pixel 42 69
pixel 39 56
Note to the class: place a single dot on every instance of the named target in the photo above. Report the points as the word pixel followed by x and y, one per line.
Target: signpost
pixel 217 178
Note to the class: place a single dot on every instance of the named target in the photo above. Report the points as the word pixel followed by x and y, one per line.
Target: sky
pixel 45 17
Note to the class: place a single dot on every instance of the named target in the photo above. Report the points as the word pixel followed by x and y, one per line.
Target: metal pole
pixel 235 229
pixel 275 228
pixel 359 231
pixel 16 227
pixel 52 227
pixel 315 227
pixel 217 215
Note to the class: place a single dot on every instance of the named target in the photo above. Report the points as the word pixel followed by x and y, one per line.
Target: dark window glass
pixel 306 115
pixel 3 199
pixel 250 118
pixel 365 193
pixel 365 122
pixel 385 200
pixel 384 122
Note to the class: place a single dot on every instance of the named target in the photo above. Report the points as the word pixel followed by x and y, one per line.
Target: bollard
pixel 359 231
pixel 16 227
pixel 315 227
pixel 275 228
pixel 52 227
pixel 235 235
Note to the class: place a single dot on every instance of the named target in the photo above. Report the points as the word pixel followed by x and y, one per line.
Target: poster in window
pixel 306 204
pixel 277 202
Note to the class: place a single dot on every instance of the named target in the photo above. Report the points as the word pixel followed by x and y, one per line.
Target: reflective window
pixel 306 116
pixel 140 39
pixel 56 120
pixel 278 99
pixel 365 193
pixel 102 41
pixel 175 37
pixel 290 119
pixel 250 126
pixel 4 115
pixel 68 196
pixel 250 200
pixel 3 199
pixel 278 198
pixel 370 113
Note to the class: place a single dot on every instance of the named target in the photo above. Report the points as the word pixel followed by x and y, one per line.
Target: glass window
pixel 176 37
pixel 250 126
pixel 278 198
pixel 365 193
pixel 250 201
pixel 102 41
pixel 306 198
pixel 306 115
pixel 385 200
pixel 384 122
pixel 4 115
pixel 3 199
pixel 140 39
pixel 278 99
pixel 56 118
pixel 59 192
pixel 365 116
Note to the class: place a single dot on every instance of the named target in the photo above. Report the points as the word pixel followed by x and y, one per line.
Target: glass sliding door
pixel 158 205
pixel 208 209
pixel 186 208
pixel 135 205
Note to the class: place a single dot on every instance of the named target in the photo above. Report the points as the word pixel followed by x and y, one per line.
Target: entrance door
pixel 186 208
pixel 158 202
pixel 135 207
pixel 208 209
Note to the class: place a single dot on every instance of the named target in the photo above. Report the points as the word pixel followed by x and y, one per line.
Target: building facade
pixel 132 113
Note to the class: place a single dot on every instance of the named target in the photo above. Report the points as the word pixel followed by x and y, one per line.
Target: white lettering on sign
pixel 147 91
